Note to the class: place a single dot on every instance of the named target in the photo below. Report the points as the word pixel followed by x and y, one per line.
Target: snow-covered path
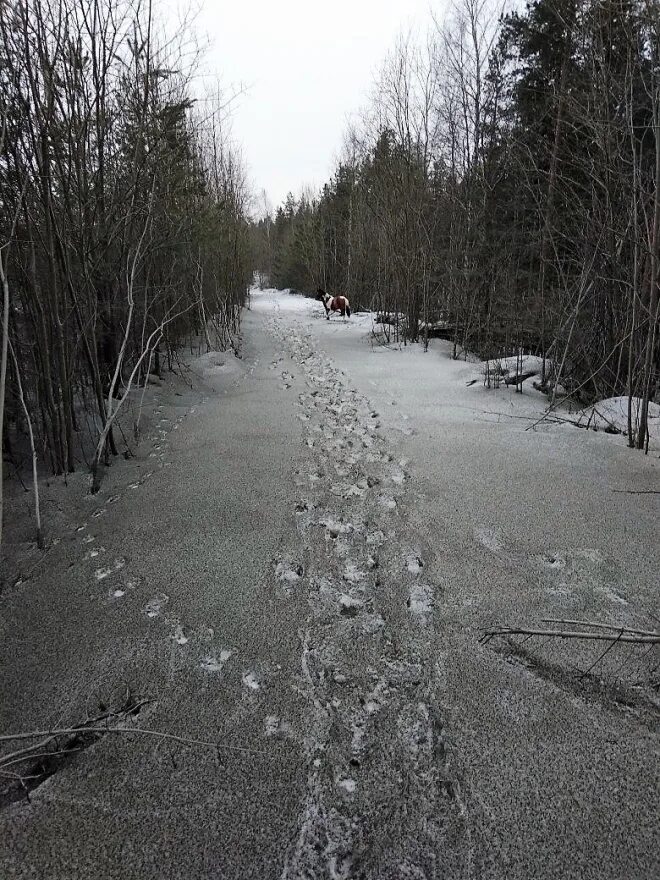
pixel 305 581
pixel 430 513
pixel 381 800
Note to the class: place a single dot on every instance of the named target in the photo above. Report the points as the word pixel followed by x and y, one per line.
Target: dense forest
pixel 123 221
pixel 501 189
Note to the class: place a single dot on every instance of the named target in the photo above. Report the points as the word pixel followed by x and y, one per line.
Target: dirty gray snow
pixel 292 579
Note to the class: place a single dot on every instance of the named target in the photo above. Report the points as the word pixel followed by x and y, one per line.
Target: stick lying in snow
pixel 519 378
pixel 637 491
pixel 28 752
pixel 598 625
pixel 618 634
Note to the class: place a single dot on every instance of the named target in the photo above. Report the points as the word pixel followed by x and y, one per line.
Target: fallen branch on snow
pixel 637 491
pixel 618 634
pixel 28 752
pixel 599 625
pixel 519 378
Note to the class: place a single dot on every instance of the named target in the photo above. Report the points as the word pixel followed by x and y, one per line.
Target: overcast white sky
pixel 307 66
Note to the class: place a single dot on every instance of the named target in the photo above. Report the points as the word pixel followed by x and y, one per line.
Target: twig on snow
pixel 603 653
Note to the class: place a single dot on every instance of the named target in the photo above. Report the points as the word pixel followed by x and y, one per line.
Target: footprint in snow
pixel 415 731
pixel 371 624
pixel 119 592
pixel 348 785
pixel 611 595
pixel 349 606
pixel 352 574
pixel 275 726
pixel 552 560
pixel 414 564
pixel 102 573
pixel 179 636
pixel 154 606
pixel 271 725
pixel 489 539
pixel 250 681
pixel 334 528
pixel 99 512
pixel 376 538
pixel 420 601
pixel 215 664
pixel 348 491
pixel 289 573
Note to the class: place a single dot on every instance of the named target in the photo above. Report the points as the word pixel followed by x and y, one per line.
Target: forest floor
pixel 299 566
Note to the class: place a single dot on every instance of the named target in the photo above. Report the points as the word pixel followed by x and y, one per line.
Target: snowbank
pixel 612 414
pixel 282 300
pixel 507 366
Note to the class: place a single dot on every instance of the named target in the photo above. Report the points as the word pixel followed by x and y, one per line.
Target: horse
pixel 333 303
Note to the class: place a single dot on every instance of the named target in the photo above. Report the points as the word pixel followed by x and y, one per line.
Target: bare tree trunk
pixel 643 431
pixel 552 184
pixel 3 374
pixel 35 472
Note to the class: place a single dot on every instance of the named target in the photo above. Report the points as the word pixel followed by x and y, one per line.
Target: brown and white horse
pixel 334 303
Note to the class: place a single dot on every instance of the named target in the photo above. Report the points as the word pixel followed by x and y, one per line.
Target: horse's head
pixel 320 294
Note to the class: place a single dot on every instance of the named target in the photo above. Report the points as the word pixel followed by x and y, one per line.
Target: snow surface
pixel 382 680
pixel 436 370
pixel 508 365
pixel 613 413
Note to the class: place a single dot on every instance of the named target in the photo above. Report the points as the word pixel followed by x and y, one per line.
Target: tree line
pixel 123 222
pixel 501 189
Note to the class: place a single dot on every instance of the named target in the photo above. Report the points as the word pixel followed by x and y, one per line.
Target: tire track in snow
pixel 380 798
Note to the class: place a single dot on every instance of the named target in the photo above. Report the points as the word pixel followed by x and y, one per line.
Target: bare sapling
pixel 653 308
pixel 116 404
